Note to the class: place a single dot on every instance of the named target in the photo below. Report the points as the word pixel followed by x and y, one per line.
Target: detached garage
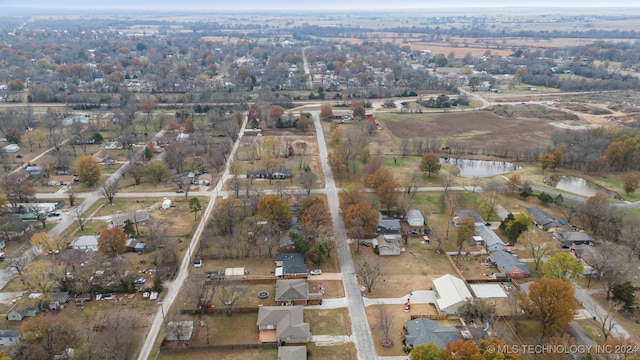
pixel 415 218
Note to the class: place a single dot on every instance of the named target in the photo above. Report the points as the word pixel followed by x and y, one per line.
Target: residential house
pixel 101 157
pixel 58 299
pixel 282 324
pixel 204 179
pixel 259 174
pixel 133 245
pixel 387 225
pixel 33 171
pixel 276 173
pixel 80 119
pixel 21 310
pixel 386 245
pixel 296 292
pixel 111 145
pixel 179 330
pixel 543 220
pixel 85 242
pixel 568 239
pixel 490 240
pixel 423 331
pixel 451 293
pixel 461 214
pixel 36 208
pixel 587 255
pixel 12 230
pixel 509 264
pixel 59 180
pixel 292 353
pixel 291 266
pixel 281 173
pixel 415 218
pixel 8 336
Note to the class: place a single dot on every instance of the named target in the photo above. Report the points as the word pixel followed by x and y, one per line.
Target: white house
pixel 451 293
pixel 415 218
pixel 85 242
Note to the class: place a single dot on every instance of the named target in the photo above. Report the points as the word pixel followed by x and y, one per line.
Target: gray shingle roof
pixel 424 331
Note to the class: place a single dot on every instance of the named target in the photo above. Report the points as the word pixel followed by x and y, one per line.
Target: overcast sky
pixel 310 5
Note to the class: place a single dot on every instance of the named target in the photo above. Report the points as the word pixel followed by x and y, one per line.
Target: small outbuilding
pixel 415 218
pixel 234 273
pixel 166 203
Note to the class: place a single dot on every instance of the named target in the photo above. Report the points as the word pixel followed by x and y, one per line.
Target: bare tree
pixel 230 292
pixel 604 317
pixel 77 214
pixel 370 271
pixel 385 323
pixel 200 292
pixel 116 335
pixel 539 246
pixel 109 190
pixel 19 264
pixel 308 180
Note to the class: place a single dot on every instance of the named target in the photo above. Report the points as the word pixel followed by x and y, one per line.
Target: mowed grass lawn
pixel 327 322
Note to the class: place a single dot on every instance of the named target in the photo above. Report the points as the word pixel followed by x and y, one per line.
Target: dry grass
pixel 332 288
pixel 345 351
pixel 399 320
pixel 406 272
pixel 327 322
pixel 250 354
pixel 628 322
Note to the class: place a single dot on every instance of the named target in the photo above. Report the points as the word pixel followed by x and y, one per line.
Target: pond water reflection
pixel 577 185
pixel 480 168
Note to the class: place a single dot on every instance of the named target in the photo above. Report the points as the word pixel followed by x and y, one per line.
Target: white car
pixel 316 272
pixel 197 263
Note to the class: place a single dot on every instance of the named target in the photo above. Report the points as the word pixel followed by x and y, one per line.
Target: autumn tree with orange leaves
pixel 551 302
pixel 112 241
pixel 315 218
pixel 386 187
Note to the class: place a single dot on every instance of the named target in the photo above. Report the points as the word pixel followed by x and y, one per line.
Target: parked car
pixel 179 191
pixel 365 243
pixel 197 263
pixel 54 214
pixel 108 297
pixel 316 272
pixel 509 244
pixel 140 281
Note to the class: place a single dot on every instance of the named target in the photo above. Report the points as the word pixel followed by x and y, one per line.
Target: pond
pixel 577 185
pixel 480 168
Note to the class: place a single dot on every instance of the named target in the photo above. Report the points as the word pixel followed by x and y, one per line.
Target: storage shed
pixel 415 218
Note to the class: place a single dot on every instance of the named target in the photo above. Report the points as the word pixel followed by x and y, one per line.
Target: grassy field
pixel 407 271
pixel 327 322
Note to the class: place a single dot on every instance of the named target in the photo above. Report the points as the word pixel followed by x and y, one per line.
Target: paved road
pixel 173 288
pixel 585 299
pixel 361 332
